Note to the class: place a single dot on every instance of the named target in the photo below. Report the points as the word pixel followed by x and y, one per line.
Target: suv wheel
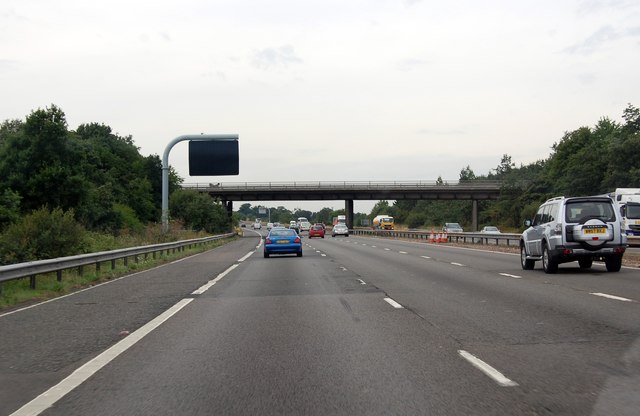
pixel 548 264
pixel 527 264
pixel 613 263
pixel 585 263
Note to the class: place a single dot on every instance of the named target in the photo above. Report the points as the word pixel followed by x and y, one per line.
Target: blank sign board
pixel 213 158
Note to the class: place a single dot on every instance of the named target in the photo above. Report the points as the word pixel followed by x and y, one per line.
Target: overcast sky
pixel 328 90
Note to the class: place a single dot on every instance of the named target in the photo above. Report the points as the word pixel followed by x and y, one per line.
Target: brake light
pixel 567 251
pixel 297 240
pixel 619 250
pixel 267 241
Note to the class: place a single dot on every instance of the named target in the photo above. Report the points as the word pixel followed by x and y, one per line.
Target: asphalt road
pixel 355 326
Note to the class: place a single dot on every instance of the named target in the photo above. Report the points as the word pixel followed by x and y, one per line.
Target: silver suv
pixel 570 229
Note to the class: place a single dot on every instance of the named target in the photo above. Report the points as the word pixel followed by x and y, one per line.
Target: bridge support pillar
pixel 228 205
pixel 474 215
pixel 348 210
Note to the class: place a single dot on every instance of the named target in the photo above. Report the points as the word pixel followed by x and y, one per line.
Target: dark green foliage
pixel 9 208
pixel 42 234
pixel 98 174
pixel 586 161
pixel 198 211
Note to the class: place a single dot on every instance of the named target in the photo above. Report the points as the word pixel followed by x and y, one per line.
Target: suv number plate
pixel 594 230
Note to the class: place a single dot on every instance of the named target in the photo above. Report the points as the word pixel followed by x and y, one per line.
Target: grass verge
pixel 18 293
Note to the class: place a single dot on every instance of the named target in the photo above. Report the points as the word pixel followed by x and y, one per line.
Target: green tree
pixel 43 234
pixel 9 208
pixel 380 208
pixel 198 211
pixel 466 174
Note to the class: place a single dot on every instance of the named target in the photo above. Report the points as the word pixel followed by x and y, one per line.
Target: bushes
pixel 43 234
pixel 198 211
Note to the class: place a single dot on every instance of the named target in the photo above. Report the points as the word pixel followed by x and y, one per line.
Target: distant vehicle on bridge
pixel 340 219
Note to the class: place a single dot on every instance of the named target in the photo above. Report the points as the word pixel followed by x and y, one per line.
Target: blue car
pixel 282 241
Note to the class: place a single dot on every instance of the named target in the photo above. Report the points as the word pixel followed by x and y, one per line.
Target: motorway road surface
pixel 357 326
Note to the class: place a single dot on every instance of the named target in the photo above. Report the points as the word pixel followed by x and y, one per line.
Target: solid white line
pixel 393 303
pixel 402 252
pixel 604 295
pixel 458 264
pixel 210 283
pixel 496 375
pixel 246 256
pixel 425 257
pixel 362 282
pixel 55 393
pixel 511 275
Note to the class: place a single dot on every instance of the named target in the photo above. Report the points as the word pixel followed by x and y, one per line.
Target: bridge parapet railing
pixel 230 186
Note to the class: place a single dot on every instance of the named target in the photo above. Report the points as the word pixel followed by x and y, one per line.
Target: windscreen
pixel 633 211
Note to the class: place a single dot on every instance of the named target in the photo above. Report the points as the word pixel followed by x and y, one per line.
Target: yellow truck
pixel 383 222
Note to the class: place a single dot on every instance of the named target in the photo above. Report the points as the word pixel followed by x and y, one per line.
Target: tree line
pixel 586 161
pixel 89 178
pixel 55 183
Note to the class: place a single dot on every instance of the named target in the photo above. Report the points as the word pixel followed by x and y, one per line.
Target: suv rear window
pixel 582 211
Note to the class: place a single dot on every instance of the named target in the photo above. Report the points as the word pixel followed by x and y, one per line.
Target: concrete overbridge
pixel 473 191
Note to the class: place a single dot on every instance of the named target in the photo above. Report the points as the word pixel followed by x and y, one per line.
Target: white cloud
pixel 268 58
pixel 600 38
pixel 437 85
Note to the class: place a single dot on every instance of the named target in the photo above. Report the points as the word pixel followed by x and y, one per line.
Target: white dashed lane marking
pixel 604 295
pixel 511 275
pixel 494 374
pixel 393 303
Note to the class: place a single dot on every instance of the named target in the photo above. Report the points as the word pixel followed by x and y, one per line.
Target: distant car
pixel 257 225
pixel 319 224
pixel 293 225
pixel 340 229
pixel 452 227
pixel 276 224
pixel 282 241
pixel 490 229
pixel 316 231
pixel 269 225
pixel 304 225
pixel 243 225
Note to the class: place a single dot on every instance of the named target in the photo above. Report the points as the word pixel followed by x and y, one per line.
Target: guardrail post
pixel 126 261
pixel 97 268
pixel 59 275
pixel 32 281
pixel 113 264
pixel 80 270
